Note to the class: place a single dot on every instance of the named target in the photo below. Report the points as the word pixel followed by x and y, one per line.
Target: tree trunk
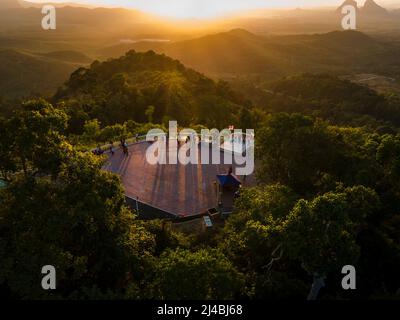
pixel 317 285
pixel 24 166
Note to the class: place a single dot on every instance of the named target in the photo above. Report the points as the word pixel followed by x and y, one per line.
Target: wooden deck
pixel 182 190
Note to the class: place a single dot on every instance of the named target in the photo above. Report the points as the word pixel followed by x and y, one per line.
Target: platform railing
pixel 143 138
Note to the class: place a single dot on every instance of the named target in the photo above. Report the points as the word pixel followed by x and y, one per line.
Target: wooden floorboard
pixel 184 190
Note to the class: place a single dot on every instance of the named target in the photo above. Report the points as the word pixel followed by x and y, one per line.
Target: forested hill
pixel 147 87
pixel 241 52
pixel 325 87
pixel 338 100
pixel 23 74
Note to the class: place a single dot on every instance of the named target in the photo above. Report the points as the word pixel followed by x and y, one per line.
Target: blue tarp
pixel 2 184
pixel 228 180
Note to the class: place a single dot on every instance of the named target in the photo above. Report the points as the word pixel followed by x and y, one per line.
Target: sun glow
pixel 179 9
pixel 203 9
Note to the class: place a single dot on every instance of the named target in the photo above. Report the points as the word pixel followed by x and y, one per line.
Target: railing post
pixel 137 205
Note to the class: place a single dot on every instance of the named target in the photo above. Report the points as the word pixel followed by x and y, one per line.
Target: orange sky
pixel 211 8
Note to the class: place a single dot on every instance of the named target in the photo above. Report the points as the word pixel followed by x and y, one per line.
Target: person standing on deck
pixel 125 147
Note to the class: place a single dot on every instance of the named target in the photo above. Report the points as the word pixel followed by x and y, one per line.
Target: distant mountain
pixel 27 4
pixel 240 52
pixel 76 21
pixel 23 74
pixel 344 40
pixel 347 3
pixel 234 52
pixel 9 4
pixel 68 56
pixel 372 8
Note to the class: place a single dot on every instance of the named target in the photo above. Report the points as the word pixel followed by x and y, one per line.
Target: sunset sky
pixel 210 8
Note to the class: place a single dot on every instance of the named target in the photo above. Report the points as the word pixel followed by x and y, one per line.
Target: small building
pixel 228 186
pixel 3 184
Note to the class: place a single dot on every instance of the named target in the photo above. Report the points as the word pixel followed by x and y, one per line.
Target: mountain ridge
pixel 372 8
pixel 241 52
pixel 23 74
pixel 10 4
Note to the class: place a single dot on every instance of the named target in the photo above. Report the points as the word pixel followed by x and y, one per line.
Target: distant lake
pixel 144 40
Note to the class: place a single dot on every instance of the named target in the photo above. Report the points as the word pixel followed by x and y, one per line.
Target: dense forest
pixel 328 154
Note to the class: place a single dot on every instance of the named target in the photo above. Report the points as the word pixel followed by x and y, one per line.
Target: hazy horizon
pixel 211 8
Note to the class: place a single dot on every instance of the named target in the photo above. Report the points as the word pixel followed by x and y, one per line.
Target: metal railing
pixel 143 138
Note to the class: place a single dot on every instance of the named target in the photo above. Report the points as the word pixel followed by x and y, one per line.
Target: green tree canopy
pixel 204 274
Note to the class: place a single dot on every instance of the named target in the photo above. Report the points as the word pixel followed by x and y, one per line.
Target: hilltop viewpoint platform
pixel 172 190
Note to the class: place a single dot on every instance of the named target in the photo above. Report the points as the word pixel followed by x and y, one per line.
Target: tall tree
pixel 296 151
pixel 79 224
pixel 36 138
pixel 322 233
